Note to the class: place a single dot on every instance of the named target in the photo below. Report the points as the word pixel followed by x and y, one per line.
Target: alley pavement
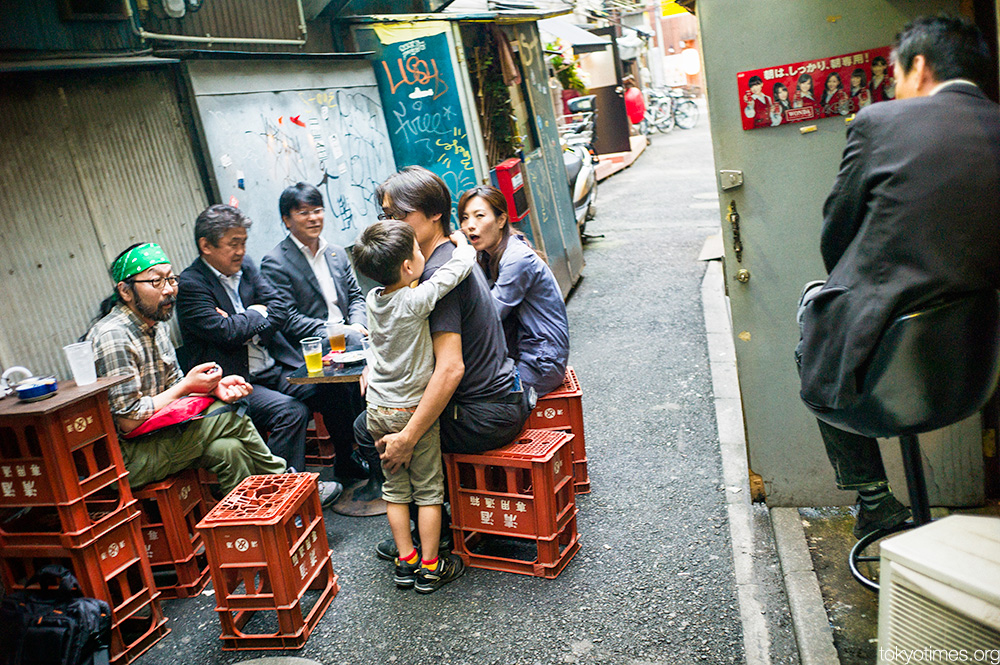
pixel 654 581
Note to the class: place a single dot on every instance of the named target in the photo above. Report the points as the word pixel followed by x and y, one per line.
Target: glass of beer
pixel 337 332
pixel 312 350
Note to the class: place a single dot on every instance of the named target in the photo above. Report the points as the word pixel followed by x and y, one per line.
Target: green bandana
pixel 137 259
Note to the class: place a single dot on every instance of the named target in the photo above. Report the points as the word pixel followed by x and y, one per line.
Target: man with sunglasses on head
pixel 475 391
pixel 229 313
pixel 130 341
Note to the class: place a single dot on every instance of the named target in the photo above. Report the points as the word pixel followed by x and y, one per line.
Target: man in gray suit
pixel 911 218
pixel 315 282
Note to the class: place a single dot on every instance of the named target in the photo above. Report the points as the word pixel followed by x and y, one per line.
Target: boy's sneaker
pixel 406 573
pixel 450 567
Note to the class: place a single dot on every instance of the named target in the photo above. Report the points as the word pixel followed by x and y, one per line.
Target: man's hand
pixel 232 388
pixel 359 328
pixel 223 312
pixel 202 379
pixel 395 450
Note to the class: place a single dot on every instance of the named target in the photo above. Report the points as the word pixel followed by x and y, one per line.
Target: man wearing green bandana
pixel 129 340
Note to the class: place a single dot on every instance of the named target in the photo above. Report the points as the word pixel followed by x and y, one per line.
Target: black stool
pixel 930 369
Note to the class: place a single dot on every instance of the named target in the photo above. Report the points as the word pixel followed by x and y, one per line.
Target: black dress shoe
pixel 352 469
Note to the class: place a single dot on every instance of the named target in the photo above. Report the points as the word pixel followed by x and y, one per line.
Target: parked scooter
pixel 580 159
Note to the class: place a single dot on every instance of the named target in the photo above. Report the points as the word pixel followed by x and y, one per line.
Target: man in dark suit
pixel 911 218
pixel 314 281
pixel 230 313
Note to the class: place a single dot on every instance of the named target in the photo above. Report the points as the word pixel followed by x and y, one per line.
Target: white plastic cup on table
pixel 81 362
pixel 337 332
pixel 312 351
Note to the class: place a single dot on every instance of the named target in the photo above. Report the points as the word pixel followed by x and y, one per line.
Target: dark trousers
pixel 856 459
pixel 281 412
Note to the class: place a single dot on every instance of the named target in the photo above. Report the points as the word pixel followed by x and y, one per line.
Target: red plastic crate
pixel 265 540
pixel 112 567
pixel 319 445
pixel 209 483
pixel 562 409
pixel 523 491
pixel 170 510
pixel 133 635
pixel 294 623
pixel 71 524
pixel 539 557
pixel 35 466
pixel 266 545
pixel 182 579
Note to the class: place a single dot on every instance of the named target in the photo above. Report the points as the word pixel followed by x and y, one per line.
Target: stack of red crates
pixel 170 510
pixel 523 492
pixel 562 409
pixel 267 547
pixel 319 445
pixel 64 499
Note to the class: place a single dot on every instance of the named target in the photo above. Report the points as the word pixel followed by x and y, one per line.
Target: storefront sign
pixel 802 91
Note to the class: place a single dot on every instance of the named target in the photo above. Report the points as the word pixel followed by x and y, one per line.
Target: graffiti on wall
pixel 333 138
pixel 424 113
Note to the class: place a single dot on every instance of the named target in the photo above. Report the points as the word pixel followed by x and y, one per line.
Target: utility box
pixel 508 179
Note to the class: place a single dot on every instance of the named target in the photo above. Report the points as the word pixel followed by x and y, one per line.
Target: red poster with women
pixel 802 91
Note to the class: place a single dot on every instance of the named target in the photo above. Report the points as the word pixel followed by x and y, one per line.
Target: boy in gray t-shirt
pixel 400 365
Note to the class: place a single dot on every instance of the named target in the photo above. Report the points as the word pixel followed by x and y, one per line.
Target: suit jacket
pixel 294 280
pixel 209 336
pixel 911 219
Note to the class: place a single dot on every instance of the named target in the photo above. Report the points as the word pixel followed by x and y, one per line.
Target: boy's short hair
pixel 380 251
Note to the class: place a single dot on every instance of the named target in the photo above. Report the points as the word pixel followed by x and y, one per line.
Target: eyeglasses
pixel 158 282
pixel 307 213
pixel 397 215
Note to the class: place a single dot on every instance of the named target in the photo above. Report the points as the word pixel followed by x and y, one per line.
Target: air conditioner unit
pixel 940 593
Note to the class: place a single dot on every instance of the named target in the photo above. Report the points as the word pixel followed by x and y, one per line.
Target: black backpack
pixel 54 625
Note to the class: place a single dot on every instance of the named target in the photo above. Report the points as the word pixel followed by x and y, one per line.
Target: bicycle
pixel 685 110
pixel 659 112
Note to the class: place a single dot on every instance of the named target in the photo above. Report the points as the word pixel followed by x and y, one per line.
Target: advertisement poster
pixel 803 91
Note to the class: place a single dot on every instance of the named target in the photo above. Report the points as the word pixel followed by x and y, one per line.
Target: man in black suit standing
pixel 314 281
pixel 911 218
pixel 232 314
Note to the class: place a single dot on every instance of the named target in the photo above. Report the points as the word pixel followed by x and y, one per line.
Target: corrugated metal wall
pixel 274 19
pixel 91 162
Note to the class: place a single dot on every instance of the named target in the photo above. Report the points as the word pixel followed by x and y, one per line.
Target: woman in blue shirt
pixel 525 291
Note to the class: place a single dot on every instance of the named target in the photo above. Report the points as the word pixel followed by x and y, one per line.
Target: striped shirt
pixel 126 346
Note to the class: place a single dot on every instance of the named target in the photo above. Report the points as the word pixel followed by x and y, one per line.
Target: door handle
pixel 734 221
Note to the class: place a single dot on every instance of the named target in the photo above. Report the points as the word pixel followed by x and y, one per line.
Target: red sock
pixel 412 558
pixel 430 565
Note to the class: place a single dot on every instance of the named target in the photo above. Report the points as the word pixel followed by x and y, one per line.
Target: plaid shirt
pixel 125 346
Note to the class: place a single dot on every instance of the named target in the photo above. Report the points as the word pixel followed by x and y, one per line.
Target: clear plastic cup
pixel 337 332
pixel 312 351
pixel 81 362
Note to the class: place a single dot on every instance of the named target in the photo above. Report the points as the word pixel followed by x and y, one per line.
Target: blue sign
pixel 422 107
